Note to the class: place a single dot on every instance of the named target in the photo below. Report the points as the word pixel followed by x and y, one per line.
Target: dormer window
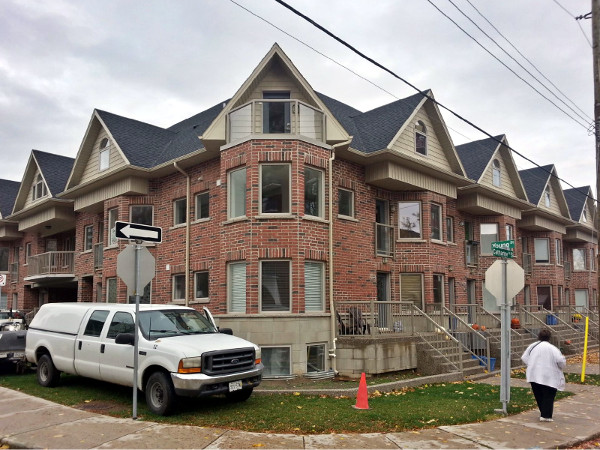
pixel 584 216
pixel 104 154
pixel 276 112
pixel 39 188
pixel 547 197
pixel 496 173
pixel 421 138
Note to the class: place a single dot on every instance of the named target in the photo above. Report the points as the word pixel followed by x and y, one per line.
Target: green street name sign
pixel 502 253
pixel 503 245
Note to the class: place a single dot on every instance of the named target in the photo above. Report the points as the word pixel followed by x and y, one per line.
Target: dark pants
pixel 544 396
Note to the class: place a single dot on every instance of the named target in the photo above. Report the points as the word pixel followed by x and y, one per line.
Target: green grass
pixel 407 409
pixel 590 380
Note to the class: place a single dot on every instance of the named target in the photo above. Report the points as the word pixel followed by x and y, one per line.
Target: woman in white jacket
pixel 545 364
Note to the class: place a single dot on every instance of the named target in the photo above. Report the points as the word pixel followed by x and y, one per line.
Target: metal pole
pixel 596 62
pixel 138 247
pixel 505 342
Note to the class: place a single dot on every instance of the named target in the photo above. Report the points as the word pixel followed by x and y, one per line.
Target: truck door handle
pixel 102 348
pixel 79 345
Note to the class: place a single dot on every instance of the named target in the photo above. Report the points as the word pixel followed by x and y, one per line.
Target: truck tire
pixel 160 394
pixel 239 396
pixel 47 374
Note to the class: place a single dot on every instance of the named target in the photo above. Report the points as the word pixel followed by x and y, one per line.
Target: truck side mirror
pixel 226 331
pixel 125 338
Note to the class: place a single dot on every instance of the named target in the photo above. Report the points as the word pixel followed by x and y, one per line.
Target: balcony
pixel 276 117
pixel 50 264
pixel 384 240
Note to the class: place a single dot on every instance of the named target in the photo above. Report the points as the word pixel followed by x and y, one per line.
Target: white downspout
pixel 187 232
pixel 333 321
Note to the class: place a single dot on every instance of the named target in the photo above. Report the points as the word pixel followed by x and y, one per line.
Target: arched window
pixel 421 138
pixel 104 154
pixel 547 196
pixel 39 188
pixel 496 173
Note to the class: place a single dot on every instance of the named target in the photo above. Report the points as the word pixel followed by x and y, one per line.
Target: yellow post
pixel 585 342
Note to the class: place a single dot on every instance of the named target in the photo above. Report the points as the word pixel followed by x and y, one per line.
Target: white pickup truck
pixel 181 351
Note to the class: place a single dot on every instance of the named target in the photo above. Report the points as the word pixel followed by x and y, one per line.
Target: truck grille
pixel 228 361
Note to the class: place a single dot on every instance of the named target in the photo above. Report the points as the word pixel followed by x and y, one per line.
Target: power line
pixel 586 16
pixel 362 55
pixel 585 125
pixel 527 59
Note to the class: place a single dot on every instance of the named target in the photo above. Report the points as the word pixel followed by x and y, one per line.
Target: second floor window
pixel 579 259
pixel 345 203
pixel 113 215
pixel 275 188
pixel 236 189
pixel 409 220
pixel 450 229
pixel 3 259
pixel 142 214
pixel 489 234
pixel 202 210
pixel 313 192
pixel 88 237
pixel 558 249
pixel 542 251
pixel 436 222
pixel 179 211
pixel 201 285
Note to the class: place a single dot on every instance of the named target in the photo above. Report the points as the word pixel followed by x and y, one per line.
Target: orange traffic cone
pixel 362 398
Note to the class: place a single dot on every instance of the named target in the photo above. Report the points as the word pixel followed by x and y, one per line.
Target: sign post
pixel 496 282
pixel 144 271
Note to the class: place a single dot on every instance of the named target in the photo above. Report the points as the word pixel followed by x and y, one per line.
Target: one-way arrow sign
pixel 137 231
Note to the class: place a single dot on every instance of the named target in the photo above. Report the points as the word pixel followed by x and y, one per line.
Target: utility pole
pixel 596 60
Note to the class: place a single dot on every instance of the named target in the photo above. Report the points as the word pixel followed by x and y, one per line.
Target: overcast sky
pixel 163 61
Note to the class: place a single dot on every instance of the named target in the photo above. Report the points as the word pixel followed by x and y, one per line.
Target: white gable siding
pixel 406 143
pixel 29 200
pixel 277 79
pixel 92 167
pixel 506 184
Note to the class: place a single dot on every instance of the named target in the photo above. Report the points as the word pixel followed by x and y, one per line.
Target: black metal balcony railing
pixel 276 117
pixel 50 263
pixel 384 240
pixel 98 255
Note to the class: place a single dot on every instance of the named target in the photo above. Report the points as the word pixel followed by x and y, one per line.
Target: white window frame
pixel 510 232
pixel 484 249
pixel 449 229
pixel 421 133
pixel 592 259
pixel 312 289
pixel 496 173
pixel 109 281
pixel 577 260
pixel 28 247
pixel 320 194
pixel 547 199
pixel 131 218
pixel 233 191
pixel 39 188
pixel 267 367
pixel 113 217
pixel 207 296
pixel 176 279
pixel 88 238
pixel 440 229
pixel 286 193
pixel 261 280
pixel 104 155
pixel 412 274
pixel 179 217
pixel 350 202
pixel 558 251
pixel 232 289
pixel 323 356
pixel 199 202
pixel 537 243
pixel 438 278
pixel 400 217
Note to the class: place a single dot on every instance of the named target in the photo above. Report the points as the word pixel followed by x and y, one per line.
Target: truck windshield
pixel 173 322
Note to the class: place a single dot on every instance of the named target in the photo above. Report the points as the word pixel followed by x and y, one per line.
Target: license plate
pixel 235 385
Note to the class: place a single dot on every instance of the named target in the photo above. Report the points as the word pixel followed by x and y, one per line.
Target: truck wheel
pixel 239 396
pixel 160 394
pixel 47 374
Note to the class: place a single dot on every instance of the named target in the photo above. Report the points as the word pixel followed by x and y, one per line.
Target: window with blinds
pixel 411 288
pixel 237 287
pixel 313 286
pixel 275 286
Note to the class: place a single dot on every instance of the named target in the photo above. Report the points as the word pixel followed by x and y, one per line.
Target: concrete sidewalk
pixel 30 422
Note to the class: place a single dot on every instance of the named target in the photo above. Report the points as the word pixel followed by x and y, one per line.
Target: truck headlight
pixel 257 357
pixel 190 365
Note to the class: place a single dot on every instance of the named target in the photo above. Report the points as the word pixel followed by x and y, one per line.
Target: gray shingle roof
pixel 9 190
pixel 201 121
pixel 535 180
pixel 576 198
pixel 55 170
pixel 476 155
pixel 374 129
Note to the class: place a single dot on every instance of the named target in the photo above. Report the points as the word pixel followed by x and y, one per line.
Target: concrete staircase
pixel 438 353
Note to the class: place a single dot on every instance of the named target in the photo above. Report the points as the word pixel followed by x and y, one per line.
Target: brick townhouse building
pixel 280 204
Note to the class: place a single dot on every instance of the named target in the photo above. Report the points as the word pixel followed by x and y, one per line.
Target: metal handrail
pixel 471 330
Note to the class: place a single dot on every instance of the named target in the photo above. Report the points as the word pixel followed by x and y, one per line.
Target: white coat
pixel 545 364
